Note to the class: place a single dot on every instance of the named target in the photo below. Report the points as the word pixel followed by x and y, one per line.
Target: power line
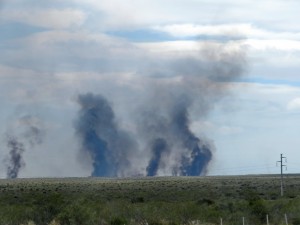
pixel 252 168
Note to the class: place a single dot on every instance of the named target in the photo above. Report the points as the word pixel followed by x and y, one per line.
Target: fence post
pixel 286 219
pixel 221 221
pixel 243 220
pixel 267 219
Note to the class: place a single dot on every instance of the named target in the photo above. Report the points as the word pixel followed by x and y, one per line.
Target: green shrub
pixel 76 214
pixel 118 221
pixel 137 200
pixel 295 221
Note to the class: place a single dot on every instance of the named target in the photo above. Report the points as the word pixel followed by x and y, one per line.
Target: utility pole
pixel 281 173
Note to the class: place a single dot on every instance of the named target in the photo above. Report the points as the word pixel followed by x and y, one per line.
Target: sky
pixel 236 63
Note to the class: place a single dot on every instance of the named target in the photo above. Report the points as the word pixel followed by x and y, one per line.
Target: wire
pixel 266 168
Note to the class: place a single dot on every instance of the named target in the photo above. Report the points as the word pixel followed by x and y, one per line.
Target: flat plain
pixel 150 200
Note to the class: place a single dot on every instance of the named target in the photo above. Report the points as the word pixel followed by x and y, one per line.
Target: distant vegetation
pixel 152 201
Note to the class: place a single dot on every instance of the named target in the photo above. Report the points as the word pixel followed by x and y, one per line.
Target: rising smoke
pixel 101 137
pixel 172 147
pixel 33 130
pixel 15 160
pixel 197 156
pixel 25 134
pixel 162 120
pixel 159 147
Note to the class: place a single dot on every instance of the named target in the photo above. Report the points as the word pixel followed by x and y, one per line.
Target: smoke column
pixel 162 118
pixel 197 157
pixel 168 138
pixel 26 133
pixel 100 136
pixel 176 150
pixel 16 149
pixel 196 85
pixel 159 147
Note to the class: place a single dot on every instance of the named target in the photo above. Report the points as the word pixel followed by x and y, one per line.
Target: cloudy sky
pixel 51 51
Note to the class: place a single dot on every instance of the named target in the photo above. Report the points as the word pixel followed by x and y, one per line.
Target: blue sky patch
pixel 261 80
pixel 142 35
pixel 148 35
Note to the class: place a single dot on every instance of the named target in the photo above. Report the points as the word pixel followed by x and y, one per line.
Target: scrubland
pixel 152 201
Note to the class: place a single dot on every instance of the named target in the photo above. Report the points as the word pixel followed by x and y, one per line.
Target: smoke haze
pixel 33 131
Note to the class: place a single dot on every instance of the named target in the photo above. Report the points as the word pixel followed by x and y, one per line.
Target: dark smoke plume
pixel 15 160
pixel 197 157
pixel 168 94
pixel 108 146
pixel 159 147
pixel 184 153
pixel 197 85
pixel 26 133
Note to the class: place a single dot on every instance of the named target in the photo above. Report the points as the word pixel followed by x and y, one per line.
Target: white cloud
pixel 47 18
pixel 60 50
pixel 274 44
pixel 190 47
pixel 140 13
pixel 254 45
pixel 114 14
pixel 294 104
pixel 231 30
pixel 257 38
pixel 276 14
pixel 7 72
pixel 63 36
